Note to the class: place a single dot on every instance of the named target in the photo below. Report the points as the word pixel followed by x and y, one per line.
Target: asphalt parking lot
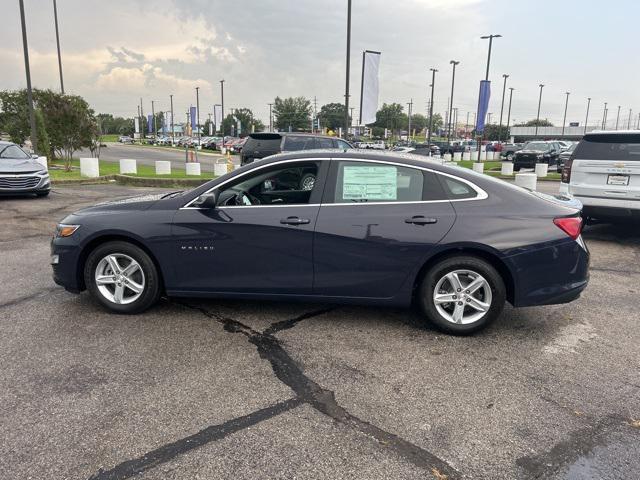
pixel 245 390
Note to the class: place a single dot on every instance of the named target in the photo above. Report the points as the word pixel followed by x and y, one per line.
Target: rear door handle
pixel 295 221
pixel 420 220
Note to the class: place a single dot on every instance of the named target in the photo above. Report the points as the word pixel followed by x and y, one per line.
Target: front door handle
pixel 295 221
pixel 420 220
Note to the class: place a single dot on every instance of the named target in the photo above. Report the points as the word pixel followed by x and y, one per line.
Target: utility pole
pixel 466 126
pixel 629 121
pixel 453 81
pixel 173 131
pixel 315 114
pixel 564 119
pixel 32 116
pixel 504 89
pixel 270 118
pixel 433 82
pixel 455 122
pixel 511 89
pixel 222 108
pixel 142 133
pixel 539 103
pixel 346 87
pixel 604 117
pixel 55 18
pixel 410 104
pixel 618 117
pixel 586 119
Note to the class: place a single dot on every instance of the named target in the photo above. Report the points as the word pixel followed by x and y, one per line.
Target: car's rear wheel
pixel 462 294
pixel 122 277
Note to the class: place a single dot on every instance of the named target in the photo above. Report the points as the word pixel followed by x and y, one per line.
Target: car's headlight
pixel 42 172
pixel 63 230
pixel 539 156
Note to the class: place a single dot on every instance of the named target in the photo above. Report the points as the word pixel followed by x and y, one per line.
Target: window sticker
pixel 370 183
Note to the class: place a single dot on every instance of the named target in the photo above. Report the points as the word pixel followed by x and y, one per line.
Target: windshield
pixel 540 146
pixel 13 152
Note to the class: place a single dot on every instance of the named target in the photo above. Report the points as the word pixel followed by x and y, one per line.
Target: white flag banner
pixel 137 124
pixel 217 116
pixel 370 87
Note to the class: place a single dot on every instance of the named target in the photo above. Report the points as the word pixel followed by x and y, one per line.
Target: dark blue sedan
pixel 353 226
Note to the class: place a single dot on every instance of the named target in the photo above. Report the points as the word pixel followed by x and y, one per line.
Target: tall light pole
pixel 539 103
pixel 511 89
pixel 346 87
pixel 629 121
pixel 173 131
pixel 153 117
pixel 142 133
pixel 270 118
pixel 409 107
pixel 32 117
pixel 586 118
pixel 55 18
pixel 453 81
pixel 564 119
pixel 486 77
pixel 504 88
pixel 604 117
pixel 618 117
pixel 222 108
pixel 198 114
pixel 433 82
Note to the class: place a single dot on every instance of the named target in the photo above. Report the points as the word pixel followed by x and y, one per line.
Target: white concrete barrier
pixel 466 156
pixel 219 169
pixel 447 157
pixel 491 155
pixel 192 168
pixel 457 156
pixel 542 169
pixel 478 167
pixel 89 167
pixel 483 156
pixel 507 168
pixel 527 180
pixel 43 161
pixel 163 167
pixel 128 165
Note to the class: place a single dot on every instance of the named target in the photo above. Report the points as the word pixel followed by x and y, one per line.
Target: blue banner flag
pixel 150 123
pixel 483 105
pixel 193 120
pixel 164 125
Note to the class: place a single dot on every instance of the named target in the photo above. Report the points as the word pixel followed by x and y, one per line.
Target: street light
pixel 433 82
pixel 539 103
pixel 32 117
pixel 564 119
pixel 346 86
pixel 270 118
pixel 511 89
pixel 618 117
pixel 55 18
pixel 410 105
pixel 586 120
pixel 173 131
pixel 604 117
pixel 453 81
pixel 629 121
pixel 504 88
pixel 222 107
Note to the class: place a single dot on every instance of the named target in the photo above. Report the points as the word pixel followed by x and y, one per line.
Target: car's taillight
pixel 566 170
pixel 572 226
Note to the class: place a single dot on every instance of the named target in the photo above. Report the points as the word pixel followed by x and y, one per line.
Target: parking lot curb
pixel 134 181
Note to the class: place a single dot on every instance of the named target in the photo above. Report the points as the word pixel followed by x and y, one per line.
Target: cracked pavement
pixel 238 389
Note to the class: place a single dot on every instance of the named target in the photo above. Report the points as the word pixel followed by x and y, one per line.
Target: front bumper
pixel 65 261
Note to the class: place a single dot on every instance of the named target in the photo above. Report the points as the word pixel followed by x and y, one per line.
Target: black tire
pixel 461 262
pixel 43 194
pixel 152 282
pixel 516 169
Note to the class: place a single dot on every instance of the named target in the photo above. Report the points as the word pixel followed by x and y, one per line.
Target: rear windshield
pixel 609 147
pixel 263 143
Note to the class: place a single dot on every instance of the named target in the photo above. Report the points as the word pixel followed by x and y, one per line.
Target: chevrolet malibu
pixel 375 228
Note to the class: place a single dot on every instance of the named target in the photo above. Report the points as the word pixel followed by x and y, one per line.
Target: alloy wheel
pixel 119 278
pixel 308 183
pixel 462 297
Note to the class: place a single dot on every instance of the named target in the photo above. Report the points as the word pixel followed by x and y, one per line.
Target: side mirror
pixel 35 157
pixel 207 200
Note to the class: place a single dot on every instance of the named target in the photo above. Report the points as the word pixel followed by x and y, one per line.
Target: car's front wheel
pixel 462 294
pixel 122 277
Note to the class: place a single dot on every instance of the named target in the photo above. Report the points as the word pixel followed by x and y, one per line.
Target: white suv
pixel 604 174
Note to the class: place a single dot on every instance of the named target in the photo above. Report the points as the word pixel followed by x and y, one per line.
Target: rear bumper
pixel 550 275
pixel 604 206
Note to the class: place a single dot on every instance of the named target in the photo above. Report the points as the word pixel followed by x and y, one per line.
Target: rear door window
pixel 266 144
pixel 293 143
pixel 343 145
pixel 325 143
pixel 457 189
pixel 609 147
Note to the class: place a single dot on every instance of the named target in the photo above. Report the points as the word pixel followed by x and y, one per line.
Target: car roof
pixel 284 134
pixel 614 132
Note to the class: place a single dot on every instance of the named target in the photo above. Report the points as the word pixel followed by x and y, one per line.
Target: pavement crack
pixel 26 298
pixel 615 270
pixel 172 450
pixel 286 324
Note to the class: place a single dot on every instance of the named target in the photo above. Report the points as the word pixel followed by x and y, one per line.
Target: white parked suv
pixel 604 174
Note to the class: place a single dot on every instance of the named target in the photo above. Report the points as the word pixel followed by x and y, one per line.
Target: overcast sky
pixel 115 52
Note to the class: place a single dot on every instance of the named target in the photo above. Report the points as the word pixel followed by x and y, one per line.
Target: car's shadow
pixel 627 233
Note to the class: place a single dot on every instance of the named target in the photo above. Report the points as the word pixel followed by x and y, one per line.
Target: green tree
pixel 14 115
pixel 248 122
pixel 418 122
pixel 44 145
pixel 294 113
pixel 437 123
pixel 495 132
pixel 332 115
pixel 390 116
pixel 534 122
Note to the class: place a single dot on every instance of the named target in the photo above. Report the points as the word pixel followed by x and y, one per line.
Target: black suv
pixel 260 145
pixel 536 152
